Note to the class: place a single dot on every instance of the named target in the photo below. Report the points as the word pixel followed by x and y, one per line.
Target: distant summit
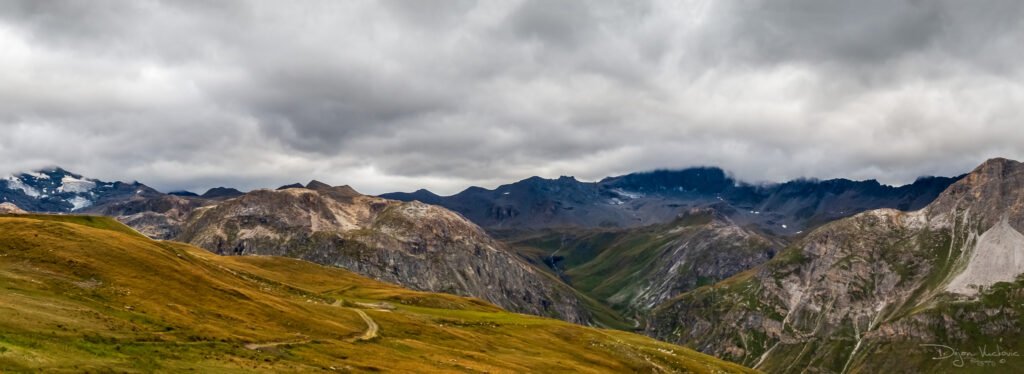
pixel 317 185
pixel 183 193
pixel 653 197
pixel 220 193
pixel 57 190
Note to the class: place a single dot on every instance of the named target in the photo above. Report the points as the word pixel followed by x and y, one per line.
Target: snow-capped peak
pixel 51 189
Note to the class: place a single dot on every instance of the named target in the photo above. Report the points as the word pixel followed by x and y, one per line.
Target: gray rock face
pixel 989 194
pixel 416 245
pixel 701 255
pixel 864 293
pixel 158 217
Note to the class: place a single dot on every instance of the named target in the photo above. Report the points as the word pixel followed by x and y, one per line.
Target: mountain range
pixel 655 197
pixel 800 276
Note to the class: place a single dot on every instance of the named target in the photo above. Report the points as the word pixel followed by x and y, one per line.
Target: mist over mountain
pixel 646 198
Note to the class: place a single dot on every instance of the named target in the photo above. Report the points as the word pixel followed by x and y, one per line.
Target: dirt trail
pixel 371 331
pixel 371 326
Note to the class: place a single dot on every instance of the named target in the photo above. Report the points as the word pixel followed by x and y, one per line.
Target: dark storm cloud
pixel 398 95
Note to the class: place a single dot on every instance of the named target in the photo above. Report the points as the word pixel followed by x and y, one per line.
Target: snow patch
pixel 79 202
pixel 998 256
pixel 627 194
pixel 37 175
pixel 75 185
pixel 14 183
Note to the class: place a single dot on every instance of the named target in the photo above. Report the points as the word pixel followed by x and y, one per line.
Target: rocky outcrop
pixel 10 208
pixel 419 246
pixel 989 194
pixel 865 293
pixel 159 217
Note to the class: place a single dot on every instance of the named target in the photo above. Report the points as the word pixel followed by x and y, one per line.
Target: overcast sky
pixel 398 95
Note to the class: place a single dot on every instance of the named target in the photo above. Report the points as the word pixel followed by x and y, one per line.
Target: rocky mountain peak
pixel 183 193
pixel 221 193
pixel 346 190
pixel 990 193
pixel 293 185
pixel 317 185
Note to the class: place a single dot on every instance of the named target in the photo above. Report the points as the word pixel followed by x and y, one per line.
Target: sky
pixel 401 95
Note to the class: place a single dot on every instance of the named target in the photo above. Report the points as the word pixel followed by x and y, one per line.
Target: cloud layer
pixel 398 95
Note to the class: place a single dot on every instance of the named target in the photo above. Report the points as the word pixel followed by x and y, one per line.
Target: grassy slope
pixel 90 221
pixel 87 294
pixel 597 262
pixel 603 262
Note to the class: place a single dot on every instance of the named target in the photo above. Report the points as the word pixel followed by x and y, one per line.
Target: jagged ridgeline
pixel 88 294
pixel 658 197
pixel 883 291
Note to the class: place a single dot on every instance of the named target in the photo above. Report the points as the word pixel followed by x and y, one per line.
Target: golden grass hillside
pixel 87 294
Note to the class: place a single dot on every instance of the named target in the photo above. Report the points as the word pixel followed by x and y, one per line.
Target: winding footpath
pixel 371 332
pixel 371 326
